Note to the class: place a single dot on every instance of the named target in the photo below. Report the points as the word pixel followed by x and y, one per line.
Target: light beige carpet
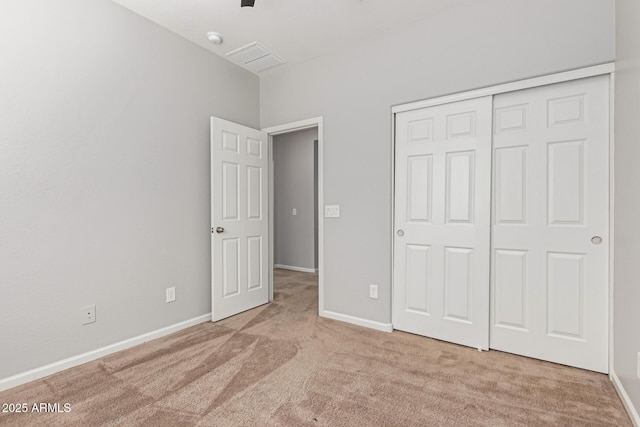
pixel 281 364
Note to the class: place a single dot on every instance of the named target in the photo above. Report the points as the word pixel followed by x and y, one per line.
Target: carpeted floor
pixel 281 364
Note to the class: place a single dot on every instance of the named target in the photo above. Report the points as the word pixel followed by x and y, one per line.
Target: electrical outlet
pixel 373 291
pixel 294 212
pixel 171 294
pixel 88 314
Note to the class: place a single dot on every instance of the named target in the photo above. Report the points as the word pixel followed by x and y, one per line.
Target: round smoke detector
pixel 215 38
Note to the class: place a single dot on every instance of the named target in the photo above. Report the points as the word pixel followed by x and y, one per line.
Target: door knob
pixel 219 230
pixel 596 240
pixel 400 233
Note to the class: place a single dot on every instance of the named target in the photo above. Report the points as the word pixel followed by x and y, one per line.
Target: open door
pixel 239 219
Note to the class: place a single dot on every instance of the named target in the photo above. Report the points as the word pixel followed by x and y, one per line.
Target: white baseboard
pixel 291 267
pixel 52 368
pixel 385 327
pixel 626 400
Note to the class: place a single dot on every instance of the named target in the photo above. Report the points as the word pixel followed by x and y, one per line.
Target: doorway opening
pixel 295 200
pixel 295 215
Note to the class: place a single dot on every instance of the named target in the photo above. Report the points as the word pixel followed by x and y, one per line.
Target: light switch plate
pixel 332 211
pixel 373 291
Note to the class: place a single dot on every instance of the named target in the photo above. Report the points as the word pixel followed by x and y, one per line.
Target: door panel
pixel 457 284
pixel 256 262
pixel 566 182
pixel 510 291
pixel 231 196
pixel 459 192
pixel 418 283
pixel 238 192
pixel 551 196
pixel 230 266
pixel 420 188
pixel 565 292
pixel 510 185
pixel 442 207
pixel 254 193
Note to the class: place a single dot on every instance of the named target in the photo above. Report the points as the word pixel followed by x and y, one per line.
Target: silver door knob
pixel 219 230
pixel 596 240
pixel 400 233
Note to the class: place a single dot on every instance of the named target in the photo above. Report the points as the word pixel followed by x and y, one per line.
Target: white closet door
pixel 442 224
pixel 550 223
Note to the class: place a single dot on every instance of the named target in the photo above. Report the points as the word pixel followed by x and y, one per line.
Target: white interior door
pixel 239 223
pixel 442 222
pixel 550 223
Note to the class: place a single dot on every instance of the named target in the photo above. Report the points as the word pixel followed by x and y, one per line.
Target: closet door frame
pixel 597 70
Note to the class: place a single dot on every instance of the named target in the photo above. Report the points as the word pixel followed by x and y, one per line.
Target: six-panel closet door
pixel 550 237
pixel 442 222
pixel 501 222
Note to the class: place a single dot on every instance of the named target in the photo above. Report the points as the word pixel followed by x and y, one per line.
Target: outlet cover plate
pixel 88 314
pixel 373 291
pixel 171 294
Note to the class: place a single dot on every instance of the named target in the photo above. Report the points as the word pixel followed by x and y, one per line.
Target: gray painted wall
pixel 627 201
pixel 104 175
pixel 294 187
pixel 469 46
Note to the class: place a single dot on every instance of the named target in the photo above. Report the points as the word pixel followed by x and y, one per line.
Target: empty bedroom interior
pixel 105 201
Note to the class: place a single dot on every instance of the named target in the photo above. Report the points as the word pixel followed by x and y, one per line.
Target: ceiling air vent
pixel 254 57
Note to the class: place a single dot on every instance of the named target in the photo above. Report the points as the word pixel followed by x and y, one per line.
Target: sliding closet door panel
pixel 550 223
pixel 442 222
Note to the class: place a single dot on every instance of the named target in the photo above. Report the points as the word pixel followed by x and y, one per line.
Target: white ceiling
pixel 295 30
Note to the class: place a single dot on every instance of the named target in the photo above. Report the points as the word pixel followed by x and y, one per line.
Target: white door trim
pixel 580 73
pixel 612 91
pixel 285 128
pixel 596 70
